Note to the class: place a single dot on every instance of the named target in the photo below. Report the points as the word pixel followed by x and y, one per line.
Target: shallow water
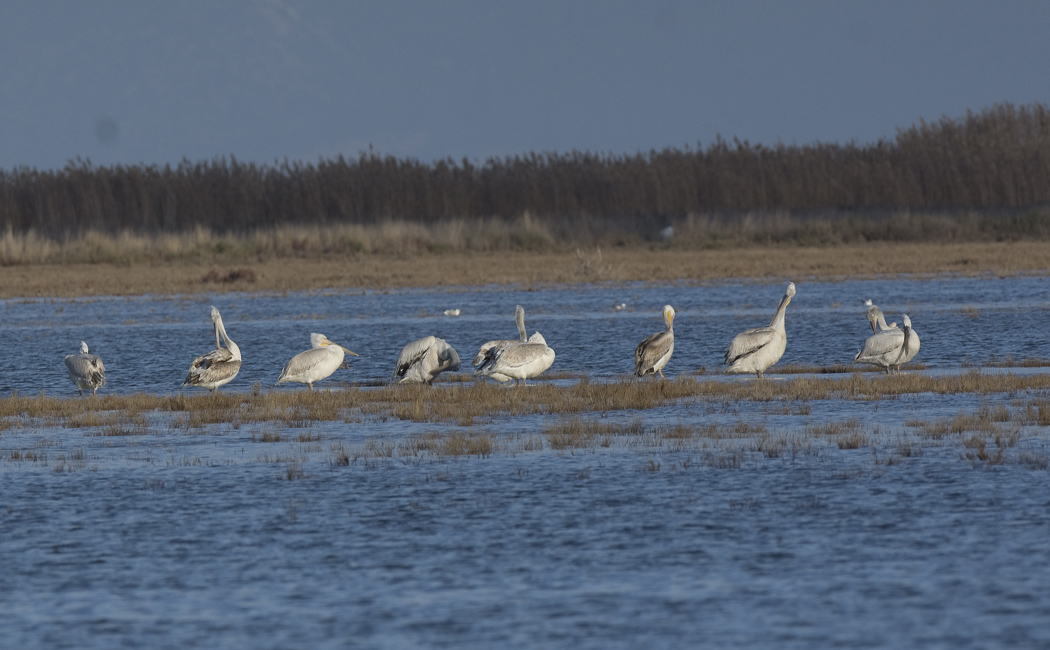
pixel 209 538
pixel 148 343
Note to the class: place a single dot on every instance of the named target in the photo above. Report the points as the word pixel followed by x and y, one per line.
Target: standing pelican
pixel 86 370
pixel 518 360
pixel 759 348
pixel 424 359
pixel 910 347
pixel 876 317
pixel 488 350
pixel 219 366
pixel 653 353
pixel 321 360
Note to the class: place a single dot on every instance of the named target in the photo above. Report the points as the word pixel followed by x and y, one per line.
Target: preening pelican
pixel 518 360
pixel 876 317
pixel 890 348
pixel 910 347
pixel 488 350
pixel 424 359
pixel 758 349
pixel 219 366
pixel 315 364
pixel 86 370
pixel 653 353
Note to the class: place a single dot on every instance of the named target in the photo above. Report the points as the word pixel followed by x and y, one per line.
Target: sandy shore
pixel 373 271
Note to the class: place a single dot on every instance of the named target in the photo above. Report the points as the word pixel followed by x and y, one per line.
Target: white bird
pixel 890 348
pixel 452 312
pixel 321 360
pixel 424 359
pixel 876 317
pixel 757 349
pixel 519 361
pixel 911 344
pixel 620 306
pixel 86 370
pixel 219 366
pixel 488 350
pixel 654 352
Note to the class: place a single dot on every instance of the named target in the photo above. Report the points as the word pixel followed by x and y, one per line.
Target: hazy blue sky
pixel 140 81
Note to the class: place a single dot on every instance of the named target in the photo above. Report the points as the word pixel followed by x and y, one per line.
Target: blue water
pixel 206 538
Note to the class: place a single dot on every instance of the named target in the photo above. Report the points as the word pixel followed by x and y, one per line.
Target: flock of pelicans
pixel 519 359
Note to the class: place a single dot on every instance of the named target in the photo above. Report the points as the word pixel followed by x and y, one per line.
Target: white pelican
pixel 890 348
pixel 518 360
pixel 876 317
pixel 488 350
pixel 321 360
pixel 219 366
pixel 757 349
pixel 86 370
pixel 424 359
pixel 653 353
pixel 911 344
pixel 452 312
pixel 620 306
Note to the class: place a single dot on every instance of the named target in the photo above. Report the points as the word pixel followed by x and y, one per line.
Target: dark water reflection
pixel 177 539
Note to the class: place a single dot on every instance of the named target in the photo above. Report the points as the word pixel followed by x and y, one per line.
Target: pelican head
pixel 668 316
pixel 867 303
pixel 215 317
pixel 537 338
pixel 790 293
pixel 907 322
pixel 318 341
pixel 83 347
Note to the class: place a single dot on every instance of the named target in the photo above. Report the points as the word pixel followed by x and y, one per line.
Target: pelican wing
pixel 413 354
pixel 518 354
pixel 882 343
pixel 748 342
pixel 308 364
pixel 652 350
pixel 489 350
pixel 218 364
pixel 86 370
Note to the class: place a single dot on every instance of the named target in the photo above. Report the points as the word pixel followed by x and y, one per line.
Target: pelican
pixel 86 370
pixel 876 317
pixel 315 364
pixel 452 312
pixel 518 360
pixel 424 359
pixel 910 347
pixel 890 348
pixel 219 366
pixel 653 353
pixel 759 348
pixel 488 350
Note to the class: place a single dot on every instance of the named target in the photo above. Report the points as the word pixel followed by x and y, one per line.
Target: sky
pixel 139 81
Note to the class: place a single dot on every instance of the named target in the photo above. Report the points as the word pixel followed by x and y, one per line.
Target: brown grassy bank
pixel 464 404
pixel 471 268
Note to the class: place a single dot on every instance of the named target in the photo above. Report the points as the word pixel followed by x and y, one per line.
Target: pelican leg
pixel 661 374
pixel 759 373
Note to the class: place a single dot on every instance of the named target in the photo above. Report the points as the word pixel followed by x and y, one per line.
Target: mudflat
pixel 469 268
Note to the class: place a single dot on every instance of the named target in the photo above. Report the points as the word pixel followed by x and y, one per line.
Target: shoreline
pixel 465 269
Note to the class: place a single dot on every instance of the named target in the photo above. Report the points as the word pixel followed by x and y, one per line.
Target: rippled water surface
pixel 212 538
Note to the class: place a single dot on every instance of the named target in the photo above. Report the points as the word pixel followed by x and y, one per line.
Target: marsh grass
pixel 466 403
